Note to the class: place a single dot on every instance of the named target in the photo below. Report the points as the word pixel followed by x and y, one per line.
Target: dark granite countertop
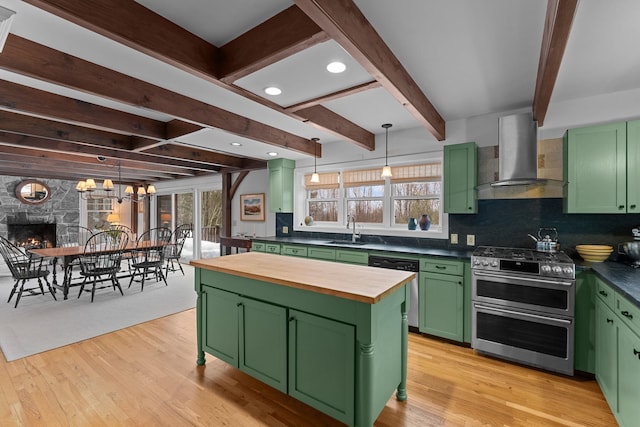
pixel 622 277
pixel 400 249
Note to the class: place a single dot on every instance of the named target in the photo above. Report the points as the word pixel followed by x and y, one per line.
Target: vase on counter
pixel 412 224
pixel 425 222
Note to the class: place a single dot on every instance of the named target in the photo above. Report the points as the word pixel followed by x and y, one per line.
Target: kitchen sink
pixel 345 242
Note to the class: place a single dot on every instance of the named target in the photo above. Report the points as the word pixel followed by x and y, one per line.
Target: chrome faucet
pixel 354 236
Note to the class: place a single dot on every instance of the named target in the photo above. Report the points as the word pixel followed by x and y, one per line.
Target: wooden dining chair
pixel 173 250
pixel 148 256
pixel 24 266
pixel 101 260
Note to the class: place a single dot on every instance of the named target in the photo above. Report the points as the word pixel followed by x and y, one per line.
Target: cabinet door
pixel 460 178
pixel 281 185
pixel 607 353
pixel 263 342
pixel 322 364
pixel 585 314
pixel 294 250
pixel 629 377
pixel 441 305
pixel 257 246
pixel 595 169
pixel 633 166
pixel 352 257
pixel 220 324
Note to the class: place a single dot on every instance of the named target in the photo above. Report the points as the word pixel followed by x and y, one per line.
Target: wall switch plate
pixel 285 229
pixel 471 240
pixel 454 238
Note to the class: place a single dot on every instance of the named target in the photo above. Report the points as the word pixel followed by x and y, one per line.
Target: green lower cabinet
pixel 352 257
pixel 442 305
pixel 257 246
pixel 629 377
pixel 263 342
pixel 322 364
pixel 293 250
pixel 272 248
pixel 315 252
pixel 585 314
pixel 220 308
pixel 606 369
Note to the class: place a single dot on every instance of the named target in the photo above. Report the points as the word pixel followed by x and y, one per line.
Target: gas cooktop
pixel 551 264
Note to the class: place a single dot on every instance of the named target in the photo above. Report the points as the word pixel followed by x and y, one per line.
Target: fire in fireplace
pixel 36 235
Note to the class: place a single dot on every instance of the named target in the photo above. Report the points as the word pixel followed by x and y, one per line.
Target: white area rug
pixel 39 323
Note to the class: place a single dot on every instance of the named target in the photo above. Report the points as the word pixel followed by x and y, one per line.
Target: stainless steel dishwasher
pixel 403 264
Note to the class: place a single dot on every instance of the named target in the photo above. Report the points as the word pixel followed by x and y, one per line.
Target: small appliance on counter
pixel 632 249
pixel 547 240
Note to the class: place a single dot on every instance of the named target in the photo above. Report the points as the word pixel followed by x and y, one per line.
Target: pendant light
pixel 386 170
pixel 315 177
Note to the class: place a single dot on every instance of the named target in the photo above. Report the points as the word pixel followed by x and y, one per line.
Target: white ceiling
pixel 469 57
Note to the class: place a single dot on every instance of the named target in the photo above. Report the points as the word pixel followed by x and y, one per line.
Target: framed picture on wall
pixel 252 207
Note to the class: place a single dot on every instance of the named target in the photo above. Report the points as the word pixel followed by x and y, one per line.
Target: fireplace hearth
pixel 32 235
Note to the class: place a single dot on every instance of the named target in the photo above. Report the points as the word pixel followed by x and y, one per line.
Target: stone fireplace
pixel 32 235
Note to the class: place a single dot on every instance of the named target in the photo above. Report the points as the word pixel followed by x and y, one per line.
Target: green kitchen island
pixel 331 335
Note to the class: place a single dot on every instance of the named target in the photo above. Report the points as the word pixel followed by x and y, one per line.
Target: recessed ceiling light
pixel 272 153
pixel 336 67
pixel 272 90
pixel 235 144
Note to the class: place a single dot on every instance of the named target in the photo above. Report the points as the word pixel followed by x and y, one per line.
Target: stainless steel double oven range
pixel 523 306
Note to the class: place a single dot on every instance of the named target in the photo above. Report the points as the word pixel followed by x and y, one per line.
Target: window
pixel 322 197
pixel 98 209
pixel 379 205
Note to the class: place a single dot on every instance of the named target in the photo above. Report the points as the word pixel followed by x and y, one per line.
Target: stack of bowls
pixel 594 253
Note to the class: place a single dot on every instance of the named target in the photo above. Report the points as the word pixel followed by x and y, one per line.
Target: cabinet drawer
pixel 321 253
pixel 258 246
pixel 606 293
pixel 629 313
pixel 293 250
pixel 442 266
pixel 272 248
pixel 352 257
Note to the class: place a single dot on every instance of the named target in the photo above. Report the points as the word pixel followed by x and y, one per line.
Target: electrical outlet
pixel 454 238
pixel 471 240
pixel 285 229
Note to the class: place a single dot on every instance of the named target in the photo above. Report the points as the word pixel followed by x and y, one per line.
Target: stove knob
pixel 568 271
pixel 494 263
pixel 545 269
pixel 557 269
pixel 485 262
pixel 476 262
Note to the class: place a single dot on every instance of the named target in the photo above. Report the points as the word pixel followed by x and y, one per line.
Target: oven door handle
pixel 527 279
pixel 519 313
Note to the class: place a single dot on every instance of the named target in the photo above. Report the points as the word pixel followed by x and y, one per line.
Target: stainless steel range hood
pixel 518 151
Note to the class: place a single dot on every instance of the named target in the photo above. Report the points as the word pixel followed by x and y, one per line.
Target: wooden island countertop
pixel 356 282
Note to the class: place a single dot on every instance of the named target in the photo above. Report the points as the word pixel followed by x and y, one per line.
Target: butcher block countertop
pixel 356 282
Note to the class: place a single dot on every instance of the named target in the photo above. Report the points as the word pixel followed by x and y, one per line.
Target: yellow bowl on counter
pixel 594 253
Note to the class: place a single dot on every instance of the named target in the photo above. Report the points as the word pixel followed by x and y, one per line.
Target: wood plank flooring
pixel 146 375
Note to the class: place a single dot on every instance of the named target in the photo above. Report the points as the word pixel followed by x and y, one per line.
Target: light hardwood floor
pixel 146 375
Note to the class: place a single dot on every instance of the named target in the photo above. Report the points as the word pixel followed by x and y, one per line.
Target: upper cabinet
pixel 281 185
pixel 600 168
pixel 460 178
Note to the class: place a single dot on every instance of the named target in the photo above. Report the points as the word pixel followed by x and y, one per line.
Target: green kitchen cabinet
pixel 596 162
pixel 607 353
pixel 272 248
pixel 293 250
pixel 258 246
pixel 629 377
pixel 633 166
pixel 585 313
pixel 352 256
pixel 460 178
pixel 317 252
pixel 442 299
pixel 322 368
pixel 281 185
pixel 254 336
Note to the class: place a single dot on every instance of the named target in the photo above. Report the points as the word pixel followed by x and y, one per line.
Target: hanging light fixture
pixel 88 186
pixel 315 177
pixel 386 170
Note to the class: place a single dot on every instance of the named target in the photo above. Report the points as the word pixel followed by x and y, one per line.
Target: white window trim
pixel 300 207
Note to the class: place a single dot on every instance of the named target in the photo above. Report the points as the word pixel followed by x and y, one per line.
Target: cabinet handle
pixel 632 206
pixel 636 353
pixel 460 283
pixel 470 208
pixel 239 304
pixel 603 293
pixel 291 319
pixel 609 320
pixel 620 207
pixel 627 314
pixel 441 267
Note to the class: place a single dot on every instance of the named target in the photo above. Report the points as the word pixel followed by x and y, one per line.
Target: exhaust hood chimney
pixel 518 150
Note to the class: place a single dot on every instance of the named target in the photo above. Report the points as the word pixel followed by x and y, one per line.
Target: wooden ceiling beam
pixel 333 96
pixel 286 33
pixel 63 146
pixel 279 37
pixel 319 114
pixel 28 58
pixel 557 27
pixel 346 24
pixel 19 98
